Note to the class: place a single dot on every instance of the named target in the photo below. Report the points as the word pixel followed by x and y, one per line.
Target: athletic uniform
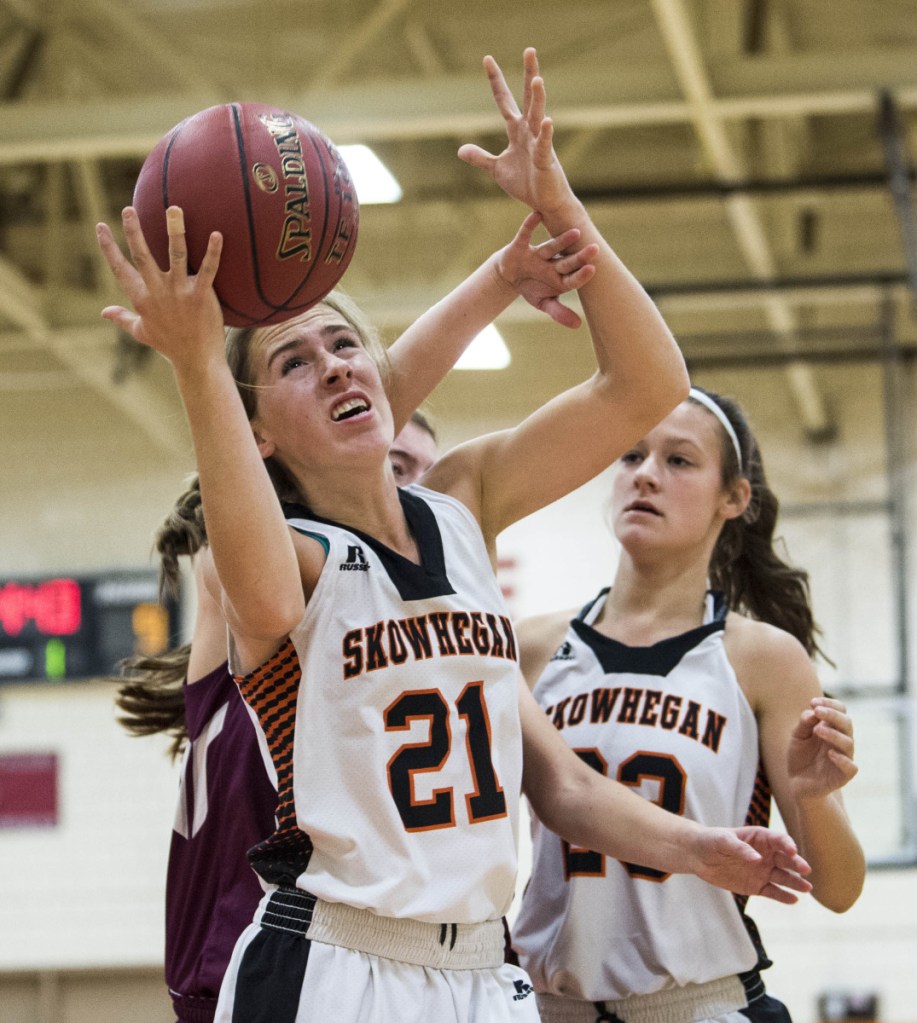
pixel 391 715
pixel 226 805
pixel 601 938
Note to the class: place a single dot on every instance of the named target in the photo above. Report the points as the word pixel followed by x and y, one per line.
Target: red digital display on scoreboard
pixel 64 627
pixel 52 607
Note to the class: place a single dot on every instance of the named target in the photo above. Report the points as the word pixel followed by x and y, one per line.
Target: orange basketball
pixel 275 187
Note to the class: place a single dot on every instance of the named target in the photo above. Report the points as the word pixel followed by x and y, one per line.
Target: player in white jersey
pixel 657 683
pixel 424 664
pixel 305 401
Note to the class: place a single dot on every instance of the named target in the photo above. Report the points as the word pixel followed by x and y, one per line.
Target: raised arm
pixel 431 346
pixel 640 373
pixel 584 807
pixel 178 314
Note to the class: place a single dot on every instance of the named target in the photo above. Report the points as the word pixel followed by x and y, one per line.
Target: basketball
pixel 275 187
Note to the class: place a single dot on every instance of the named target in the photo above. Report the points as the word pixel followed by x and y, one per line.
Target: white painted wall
pixel 89 891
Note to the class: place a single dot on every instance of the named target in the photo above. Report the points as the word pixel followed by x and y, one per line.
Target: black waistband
pixel 289 909
pixel 753 984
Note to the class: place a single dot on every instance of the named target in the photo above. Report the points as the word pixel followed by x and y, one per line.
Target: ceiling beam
pixel 21 302
pixel 460 105
pixel 150 45
pixel 25 11
pixel 361 35
pixel 748 226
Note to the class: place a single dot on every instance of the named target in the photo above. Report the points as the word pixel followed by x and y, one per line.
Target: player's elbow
pixel 267 620
pixel 638 403
pixel 562 806
pixel 838 889
pixel 667 389
pixel 840 897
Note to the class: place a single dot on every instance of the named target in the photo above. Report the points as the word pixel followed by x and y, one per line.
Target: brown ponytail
pixel 745 564
pixel 150 696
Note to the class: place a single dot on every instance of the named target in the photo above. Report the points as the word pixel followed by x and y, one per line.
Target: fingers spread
pixel 110 249
pixel 175 227
pixel 535 107
pixel 136 243
pixel 527 229
pixel 504 99
pixel 545 142
pixel 530 69
pixel 124 319
pixel 477 157
pixel 211 261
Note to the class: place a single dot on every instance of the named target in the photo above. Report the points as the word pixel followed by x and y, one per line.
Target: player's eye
pixel 291 363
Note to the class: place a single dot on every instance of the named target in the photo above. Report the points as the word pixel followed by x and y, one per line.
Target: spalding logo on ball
pixel 275 187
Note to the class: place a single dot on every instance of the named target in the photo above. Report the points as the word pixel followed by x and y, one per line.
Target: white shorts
pixel 284 971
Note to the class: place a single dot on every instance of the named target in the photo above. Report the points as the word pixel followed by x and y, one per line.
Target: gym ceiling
pixel 750 160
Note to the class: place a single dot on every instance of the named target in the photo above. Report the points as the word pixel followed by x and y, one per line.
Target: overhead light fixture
pixel 373 181
pixel 487 351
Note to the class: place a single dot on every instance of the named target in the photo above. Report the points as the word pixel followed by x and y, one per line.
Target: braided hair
pixel 150 696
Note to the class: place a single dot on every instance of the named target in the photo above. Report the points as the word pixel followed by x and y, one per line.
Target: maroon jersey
pixel 226 805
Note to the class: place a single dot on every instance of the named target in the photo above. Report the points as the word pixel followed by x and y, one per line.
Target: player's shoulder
pixel 763 654
pixel 750 637
pixel 459 473
pixel 538 628
pixel 539 636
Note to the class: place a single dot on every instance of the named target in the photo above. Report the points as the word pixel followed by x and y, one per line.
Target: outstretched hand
pixel 752 861
pixel 528 168
pixel 540 273
pixel 820 754
pixel 173 311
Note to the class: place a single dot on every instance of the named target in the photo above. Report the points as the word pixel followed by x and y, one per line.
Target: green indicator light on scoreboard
pixel 55 660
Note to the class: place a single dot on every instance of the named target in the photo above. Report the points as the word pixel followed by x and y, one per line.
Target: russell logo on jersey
pixel 356 560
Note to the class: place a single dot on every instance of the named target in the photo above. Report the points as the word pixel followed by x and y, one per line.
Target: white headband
pixel 712 406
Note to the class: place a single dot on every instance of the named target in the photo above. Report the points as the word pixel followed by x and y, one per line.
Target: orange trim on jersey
pixel 272 691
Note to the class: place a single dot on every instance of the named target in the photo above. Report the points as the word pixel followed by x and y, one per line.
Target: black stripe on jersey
pixel 413 582
pixel 584 611
pixel 659 659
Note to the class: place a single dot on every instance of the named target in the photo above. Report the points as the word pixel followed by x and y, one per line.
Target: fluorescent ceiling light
pixel 487 351
pixel 373 181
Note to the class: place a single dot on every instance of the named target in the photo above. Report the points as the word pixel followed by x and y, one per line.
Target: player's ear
pixel 266 447
pixel 737 498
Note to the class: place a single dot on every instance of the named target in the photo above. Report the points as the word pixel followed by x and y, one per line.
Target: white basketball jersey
pixel 407 759
pixel 672 722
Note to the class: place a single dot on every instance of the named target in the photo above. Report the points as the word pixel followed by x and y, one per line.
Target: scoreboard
pixel 63 628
